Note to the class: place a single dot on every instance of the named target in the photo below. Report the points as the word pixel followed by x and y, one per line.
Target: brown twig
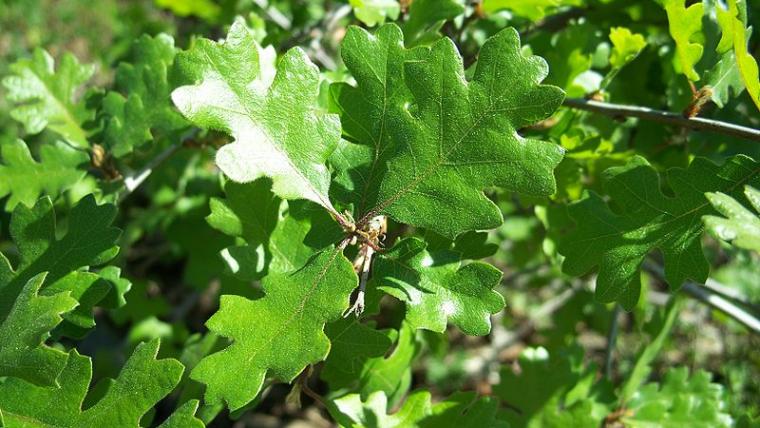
pixel 664 117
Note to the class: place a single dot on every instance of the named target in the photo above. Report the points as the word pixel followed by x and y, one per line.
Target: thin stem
pixel 665 117
pixel 134 180
pixel 304 383
pixel 713 299
pixel 611 341
pixel 730 293
pixel 716 301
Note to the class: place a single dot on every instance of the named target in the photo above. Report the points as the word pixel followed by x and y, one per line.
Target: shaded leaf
pixel 426 17
pixel 23 353
pixel 352 345
pixel 640 218
pixel 142 106
pixel 141 384
pixel 89 241
pixel 25 179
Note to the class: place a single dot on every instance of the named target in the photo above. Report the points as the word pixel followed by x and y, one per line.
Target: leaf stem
pixel 134 180
pixel 664 117
pixel 611 341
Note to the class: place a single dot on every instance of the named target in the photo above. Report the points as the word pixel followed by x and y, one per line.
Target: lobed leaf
pixel 279 334
pixel 25 179
pixel 143 381
pixel 89 241
pixel 23 353
pixel 645 219
pixel 740 225
pixel 142 106
pixel 680 400
pixel 626 46
pixel 274 118
pixel 684 25
pixel 46 98
pixel 437 289
pixel 429 142
pixel 461 410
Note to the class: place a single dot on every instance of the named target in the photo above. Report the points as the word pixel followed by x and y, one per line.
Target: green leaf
pixel 184 417
pixel 685 25
pixel 280 237
pixel 351 411
pixel 141 384
pixel 626 46
pixel 353 344
pixel 391 374
pixel 556 375
pixel 206 9
pixel 142 108
pixel 437 289
pixel 531 9
pixel 277 128
pixel 465 410
pixel 88 289
pixel 374 12
pixel 23 353
pixel 734 23
pixel 25 179
pixel 680 401
pixel 640 218
pixel 45 97
pixel 429 142
pixel 461 410
pixel 89 241
pixel 724 79
pixel 427 16
pixel 740 225
pixel 643 366
pixel 279 334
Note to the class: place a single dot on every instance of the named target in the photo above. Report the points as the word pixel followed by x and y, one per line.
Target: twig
pixel 611 341
pixel 730 293
pixel 304 383
pixel 134 180
pixel 716 301
pixel 554 23
pixel 665 117
pixel 705 295
pixel 273 14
